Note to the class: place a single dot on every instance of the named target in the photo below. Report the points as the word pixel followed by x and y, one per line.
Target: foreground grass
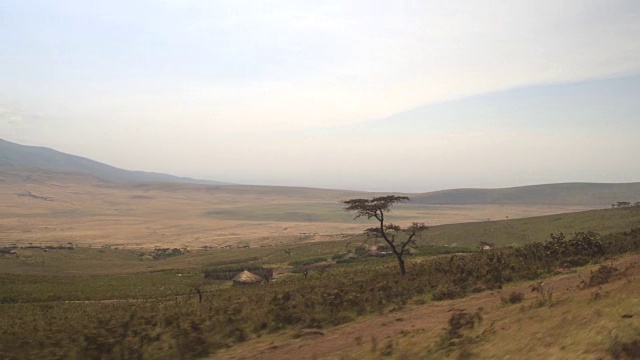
pixel 184 327
pixel 573 323
pixel 30 288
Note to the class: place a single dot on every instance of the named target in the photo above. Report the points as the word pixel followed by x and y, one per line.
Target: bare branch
pixel 373 232
pixel 392 228
pixel 376 208
pixel 416 228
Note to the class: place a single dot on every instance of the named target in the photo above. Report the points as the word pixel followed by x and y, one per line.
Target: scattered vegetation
pixel 604 274
pixel 454 337
pixel 544 295
pixel 191 325
pixel 515 297
pixel 164 253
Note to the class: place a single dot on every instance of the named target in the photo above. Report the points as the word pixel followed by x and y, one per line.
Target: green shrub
pixel 576 261
pixel 360 250
pixel 164 253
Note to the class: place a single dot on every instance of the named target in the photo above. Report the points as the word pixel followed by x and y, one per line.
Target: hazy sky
pixel 375 95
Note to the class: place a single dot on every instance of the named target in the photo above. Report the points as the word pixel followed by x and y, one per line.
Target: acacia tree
pixel 396 237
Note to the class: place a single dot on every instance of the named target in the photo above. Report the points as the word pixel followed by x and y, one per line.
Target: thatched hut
pixel 246 278
pixel 379 251
pixel 229 272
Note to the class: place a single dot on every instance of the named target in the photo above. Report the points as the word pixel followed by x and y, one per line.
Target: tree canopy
pixel 396 237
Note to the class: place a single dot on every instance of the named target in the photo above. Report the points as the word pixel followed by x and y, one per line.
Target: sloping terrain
pixel 20 157
pixel 16 156
pixel 548 194
pixel 514 232
pixel 570 323
pixel 353 310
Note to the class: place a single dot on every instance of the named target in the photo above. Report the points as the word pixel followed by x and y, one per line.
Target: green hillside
pixel 520 231
pixel 548 194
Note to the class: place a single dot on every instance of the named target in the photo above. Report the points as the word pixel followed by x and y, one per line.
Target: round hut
pixel 246 278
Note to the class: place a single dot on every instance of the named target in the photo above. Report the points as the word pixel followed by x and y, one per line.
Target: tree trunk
pixel 403 271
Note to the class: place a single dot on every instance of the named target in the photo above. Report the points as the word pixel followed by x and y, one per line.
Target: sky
pixel 368 95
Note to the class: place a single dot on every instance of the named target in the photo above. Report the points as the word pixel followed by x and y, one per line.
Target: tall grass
pixel 182 327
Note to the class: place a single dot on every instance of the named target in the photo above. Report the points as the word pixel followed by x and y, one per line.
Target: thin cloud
pixel 238 78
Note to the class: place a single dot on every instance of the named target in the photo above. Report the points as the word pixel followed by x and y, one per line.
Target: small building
pixel 246 278
pixel 7 251
pixel 379 251
pixel 485 246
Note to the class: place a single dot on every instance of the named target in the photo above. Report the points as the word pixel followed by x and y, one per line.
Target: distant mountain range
pixel 21 157
pixel 16 156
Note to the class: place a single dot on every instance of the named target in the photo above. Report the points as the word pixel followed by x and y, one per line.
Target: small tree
pixel 392 234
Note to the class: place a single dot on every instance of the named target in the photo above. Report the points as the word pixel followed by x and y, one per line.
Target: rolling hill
pixel 27 158
pixel 547 194
pixel 16 156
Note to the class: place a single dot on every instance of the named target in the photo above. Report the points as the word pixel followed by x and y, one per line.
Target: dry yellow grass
pixel 575 324
pixel 90 212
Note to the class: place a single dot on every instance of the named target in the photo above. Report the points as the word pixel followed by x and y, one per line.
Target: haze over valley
pixel 50 198
pixel 247 180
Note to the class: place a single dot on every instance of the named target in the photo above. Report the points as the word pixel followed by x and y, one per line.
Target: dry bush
pixel 454 338
pixel 515 297
pixel 602 275
pixel 624 350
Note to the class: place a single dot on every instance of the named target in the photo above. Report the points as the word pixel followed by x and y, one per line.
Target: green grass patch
pixel 516 232
pixel 307 261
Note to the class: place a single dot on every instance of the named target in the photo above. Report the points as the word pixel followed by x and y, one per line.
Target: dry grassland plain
pixel 90 212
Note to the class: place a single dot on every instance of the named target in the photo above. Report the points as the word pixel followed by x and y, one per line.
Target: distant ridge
pixel 27 158
pixel 16 156
pixel 548 194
